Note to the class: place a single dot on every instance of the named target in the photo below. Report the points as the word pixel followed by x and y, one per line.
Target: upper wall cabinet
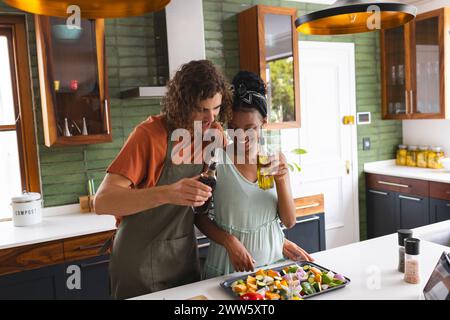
pixel 268 46
pixel 73 82
pixel 415 62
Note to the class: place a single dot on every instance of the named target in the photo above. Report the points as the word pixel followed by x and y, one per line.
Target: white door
pixel 327 93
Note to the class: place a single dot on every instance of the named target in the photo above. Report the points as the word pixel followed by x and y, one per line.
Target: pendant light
pixel 355 16
pixel 90 9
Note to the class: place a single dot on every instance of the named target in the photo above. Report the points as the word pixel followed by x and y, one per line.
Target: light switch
pixel 366 143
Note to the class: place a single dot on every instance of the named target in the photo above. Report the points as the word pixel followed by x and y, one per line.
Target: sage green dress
pixel 249 213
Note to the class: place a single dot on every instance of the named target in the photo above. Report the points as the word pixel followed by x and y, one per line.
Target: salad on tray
pixel 292 282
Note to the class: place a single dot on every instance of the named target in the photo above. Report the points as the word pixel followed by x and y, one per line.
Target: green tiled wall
pixel 131 61
pixel 222 48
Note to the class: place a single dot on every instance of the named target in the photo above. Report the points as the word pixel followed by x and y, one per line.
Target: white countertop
pixel 389 168
pixel 58 223
pixel 371 266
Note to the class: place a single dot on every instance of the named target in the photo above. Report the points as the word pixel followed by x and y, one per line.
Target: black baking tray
pixel 227 283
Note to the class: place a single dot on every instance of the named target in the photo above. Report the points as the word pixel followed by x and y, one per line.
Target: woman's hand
pixel 187 192
pixel 240 258
pixel 294 252
pixel 277 167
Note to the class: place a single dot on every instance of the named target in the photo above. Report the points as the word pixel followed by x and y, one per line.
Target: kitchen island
pixel 371 266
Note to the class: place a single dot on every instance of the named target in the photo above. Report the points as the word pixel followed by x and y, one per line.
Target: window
pixel 18 152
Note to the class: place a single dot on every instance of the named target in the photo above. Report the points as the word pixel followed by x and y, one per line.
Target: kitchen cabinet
pixel 439 210
pixel 53 270
pixel 39 284
pixel 73 82
pixel 94 282
pixel 415 59
pixel 268 46
pixel 308 233
pixel 394 203
pixel 440 202
pixel 381 213
pixel 412 211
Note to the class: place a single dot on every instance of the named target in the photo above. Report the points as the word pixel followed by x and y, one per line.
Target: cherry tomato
pixel 252 296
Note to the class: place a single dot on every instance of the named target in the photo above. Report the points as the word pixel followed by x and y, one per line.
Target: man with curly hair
pixel 155 245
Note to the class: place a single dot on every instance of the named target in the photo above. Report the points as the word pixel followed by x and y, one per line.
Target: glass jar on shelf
pixel 401 155
pixel 411 156
pixel 435 157
pixel 422 157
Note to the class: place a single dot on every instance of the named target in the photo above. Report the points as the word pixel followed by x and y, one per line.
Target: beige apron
pixel 156 249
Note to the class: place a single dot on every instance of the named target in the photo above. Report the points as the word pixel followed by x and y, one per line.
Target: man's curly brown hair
pixel 193 82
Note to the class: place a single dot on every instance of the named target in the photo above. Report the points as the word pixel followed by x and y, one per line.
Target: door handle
pixel 307 206
pixel 203 245
pixel 86 265
pixel 410 198
pixel 309 219
pixel 94 246
pixel 348 166
pixel 393 184
pixel 379 192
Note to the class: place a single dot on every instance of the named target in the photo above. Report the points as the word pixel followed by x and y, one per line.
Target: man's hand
pixel 294 252
pixel 187 192
pixel 239 256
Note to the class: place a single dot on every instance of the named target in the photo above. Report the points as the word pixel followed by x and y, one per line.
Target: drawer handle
pixel 204 245
pixel 393 184
pixel 379 192
pixel 86 265
pixel 309 219
pixel 307 206
pixel 410 198
pixel 94 246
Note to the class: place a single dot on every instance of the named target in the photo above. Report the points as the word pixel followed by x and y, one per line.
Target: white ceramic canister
pixel 27 209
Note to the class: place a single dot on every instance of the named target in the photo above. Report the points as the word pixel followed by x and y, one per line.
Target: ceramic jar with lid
pixel 27 209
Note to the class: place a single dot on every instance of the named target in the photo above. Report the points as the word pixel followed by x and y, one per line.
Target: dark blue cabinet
pixel 388 211
pixel 398 203
pixel 93 282
pixel 308 232
pixel 439 210
pixel 412 211
pixel 381 213
pixel 46 283
pixel 86 279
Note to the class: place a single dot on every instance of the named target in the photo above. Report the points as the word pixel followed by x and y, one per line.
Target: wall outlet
pixel 366 143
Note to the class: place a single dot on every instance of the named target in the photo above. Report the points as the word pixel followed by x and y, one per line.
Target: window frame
pixel 13 26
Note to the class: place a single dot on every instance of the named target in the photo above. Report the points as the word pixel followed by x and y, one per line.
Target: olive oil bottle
pixel 265 181
pixel 209 178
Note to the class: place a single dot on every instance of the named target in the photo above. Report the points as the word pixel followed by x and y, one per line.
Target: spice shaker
pixel 402 235
pixel 412 260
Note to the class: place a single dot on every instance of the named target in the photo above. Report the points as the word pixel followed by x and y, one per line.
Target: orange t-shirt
pixel 142 157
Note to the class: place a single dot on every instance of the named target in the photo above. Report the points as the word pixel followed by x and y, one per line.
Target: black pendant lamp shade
pixel 355 16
